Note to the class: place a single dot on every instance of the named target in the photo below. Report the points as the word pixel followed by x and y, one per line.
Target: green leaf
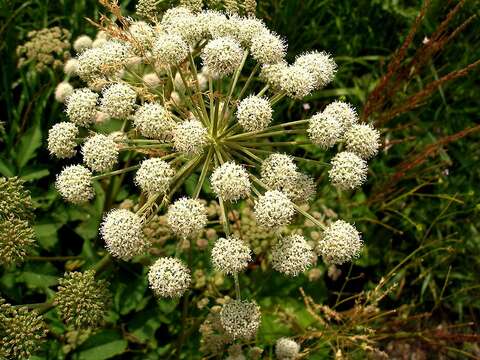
pixel 29 143
pixel 46 235
pixel 36 280
pixel 103 345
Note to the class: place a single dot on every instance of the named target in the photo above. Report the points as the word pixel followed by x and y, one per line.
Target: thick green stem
pixel 116 172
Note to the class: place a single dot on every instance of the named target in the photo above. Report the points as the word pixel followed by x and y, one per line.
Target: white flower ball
pixel 70 67
pixel 287 349
pixel 63 91
pixel 222 56
pixel 292 255
pixel 278 170
pixel 272 74
pixel 81 107
pixel 231 182
pixel 154 176
pixel 143 34
pixel 296 81
pixel 61 140
pixel 320 65
pixel 83 42
pixel 123 234
pixel 254 113
pixel 190 137
pixel 153 121
pixel 230 255
pixel 362 140
pixel 170 49
pixel 169 277
pixel 301 189
pixel 349 171
pixel 240 319
pixel 118 100
pixel 248 28
pixel 212 23
pixel 100 153
pixel 324 130
pixel 268 48
pixel 187 217
pixel 74 184
pixel 340 243
pixel 343 112
pixel 273 209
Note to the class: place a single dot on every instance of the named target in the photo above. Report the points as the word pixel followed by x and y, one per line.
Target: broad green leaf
pixel 29 143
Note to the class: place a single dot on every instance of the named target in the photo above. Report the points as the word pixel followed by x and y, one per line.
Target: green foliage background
pixel 433 209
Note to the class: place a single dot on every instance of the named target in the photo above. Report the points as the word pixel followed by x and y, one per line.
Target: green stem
pixel 263 91
pixel 116 172
pixel 249 80
pixel 237 286
pixel 203 174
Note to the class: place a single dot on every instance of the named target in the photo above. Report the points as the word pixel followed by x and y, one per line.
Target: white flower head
pixel 231 182
pixel 324 130
pixel 169 277
pixel 142 34
pixel 61 140
pixel 100 153
pixel 292 255
pixel 268 48
pixel 362 140
pixel 154 176
pixel 296 81
pixel 240 319
pixel 248 28
pixel 340 243
pixel 187 217
pixel 122 231
pixel 278 170
pixel 153 121
pixel 81 107
pixel 190 137
pixel 348 172
pixel 272 74
pixel 70 67
pixel 222 56
pixel 343 112
pixel 118 100
pixel 320 65
pixel 273 209
pixel 287 349
pixel 254 113
pixel 230 255
pixel 82 43
pixel 74 184
pixel 63 91
pixel 170 49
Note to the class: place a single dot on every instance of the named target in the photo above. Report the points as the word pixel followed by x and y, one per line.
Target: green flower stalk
pixel 81 300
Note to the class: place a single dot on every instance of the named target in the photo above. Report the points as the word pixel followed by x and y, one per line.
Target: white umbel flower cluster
pixel 83 42
pixel 240 319
pixel 74 184
pixel 343 112
pixel 81 107
pixel 63 91
pixel 268 48
pixel 287 349
pixel 363 140
pixel 254 113
pixel 153 121
pixel 169 277
pixel 325 130
pixel 222 56
pixel 187 217
pixel 273 209
pixel 190 137
pixel 100 153
pixel 231 182
pixel 118 100
pixel 292 255
pixel 170 49
pixel 61 140
pixel 296 81
pixel 340 243
pixel 122 231
pixel 348 172
pixel 230 255
pixel 154 176
pixel 320 65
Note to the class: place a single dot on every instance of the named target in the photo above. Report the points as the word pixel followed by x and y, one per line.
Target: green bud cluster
pixel 81 300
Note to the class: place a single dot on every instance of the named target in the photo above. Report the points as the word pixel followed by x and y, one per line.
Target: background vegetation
pixel 419 212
